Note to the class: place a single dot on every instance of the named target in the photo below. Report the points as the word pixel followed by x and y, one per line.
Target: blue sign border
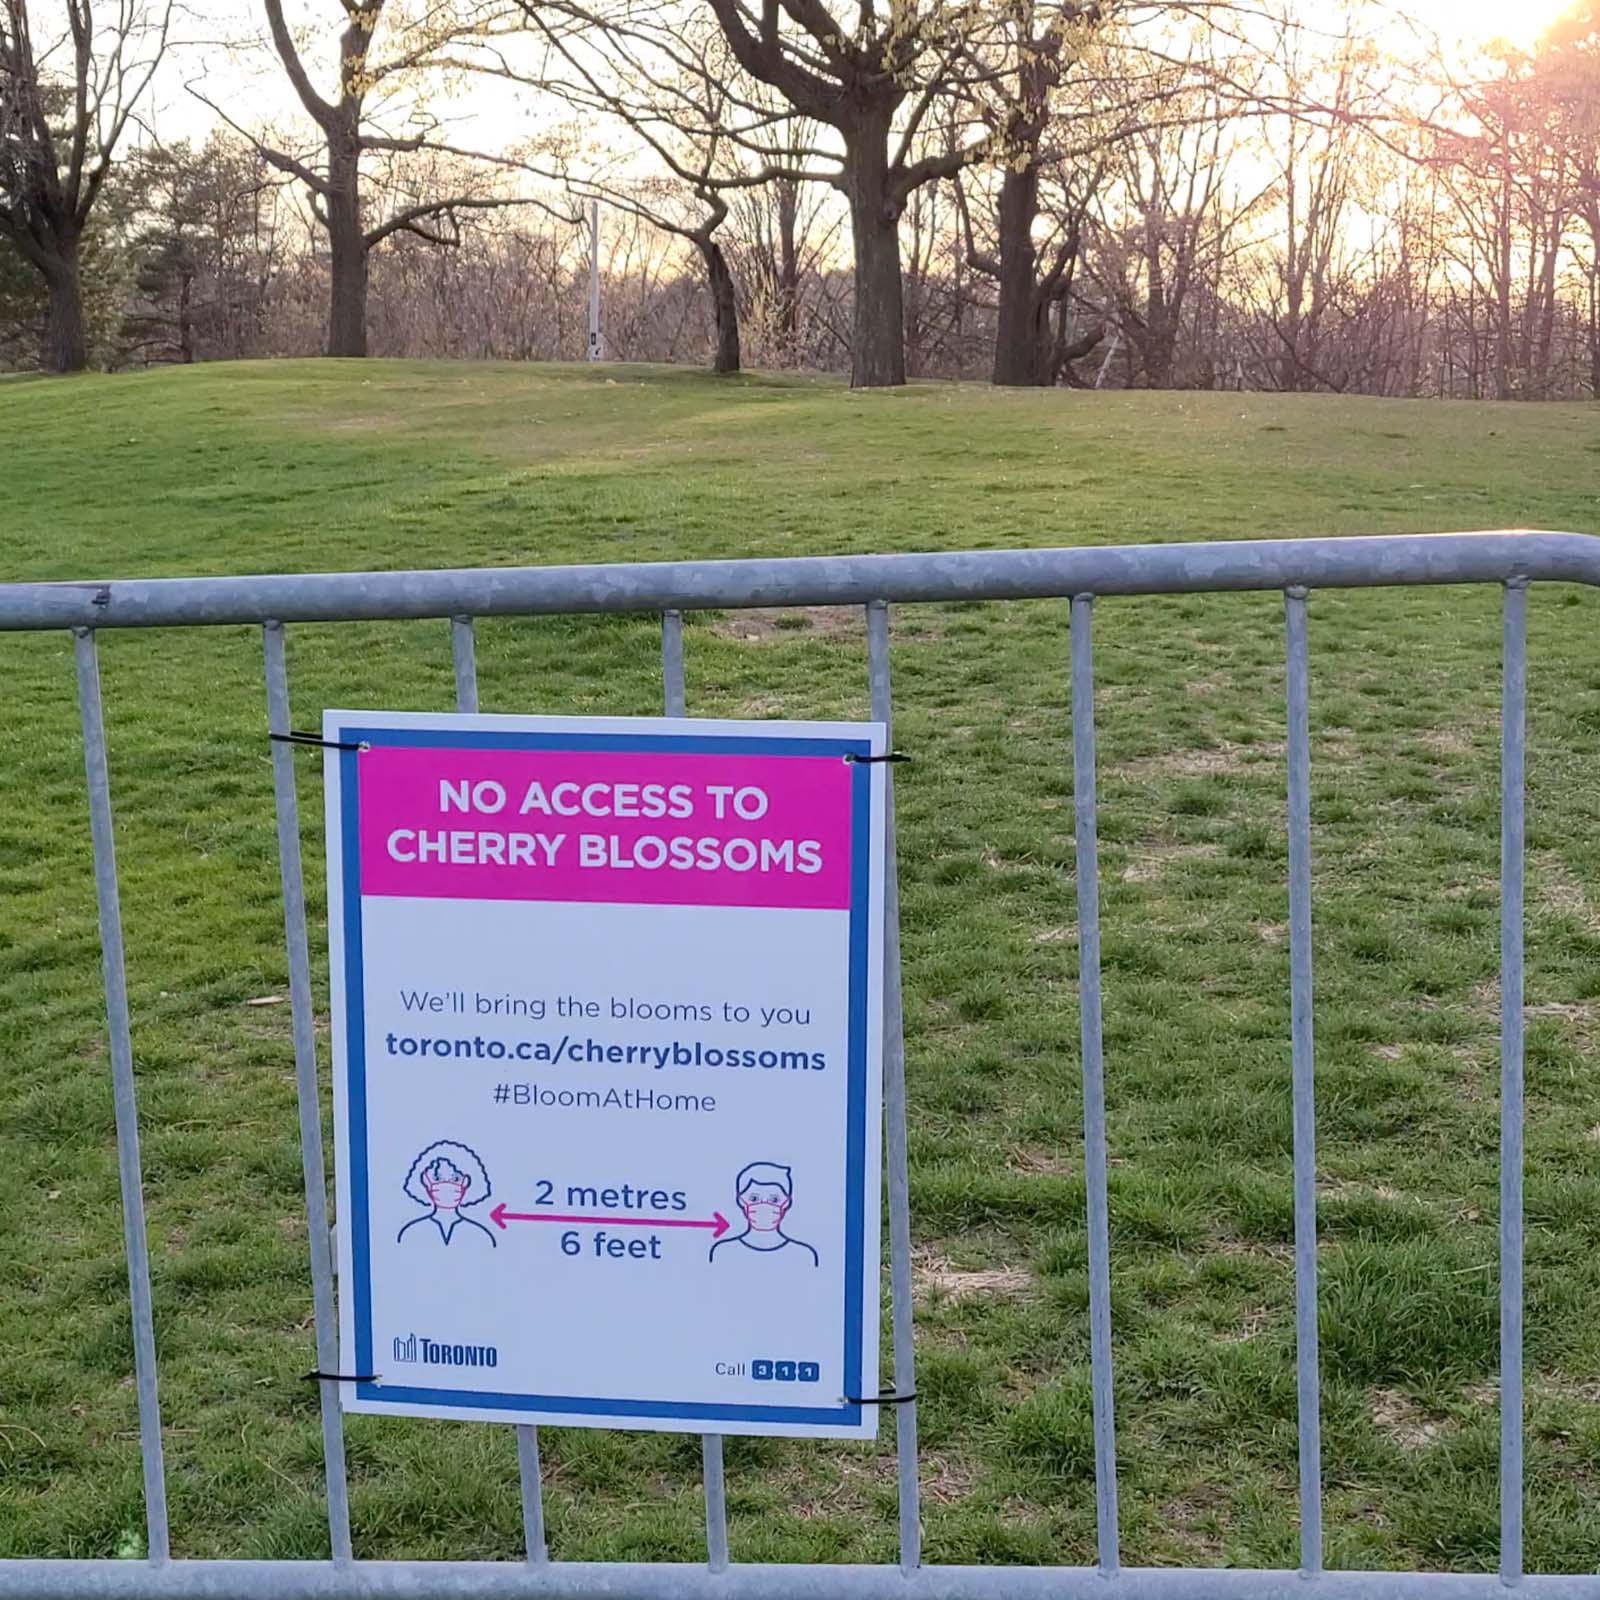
pixel 356 1066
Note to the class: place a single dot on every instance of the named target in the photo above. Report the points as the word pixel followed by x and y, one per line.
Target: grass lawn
pixel 299 466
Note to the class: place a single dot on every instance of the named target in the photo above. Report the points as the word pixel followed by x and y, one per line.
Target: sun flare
pixel 1480 22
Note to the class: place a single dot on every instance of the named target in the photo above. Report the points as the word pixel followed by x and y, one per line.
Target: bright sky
pixel 1479 21
pixel 249 83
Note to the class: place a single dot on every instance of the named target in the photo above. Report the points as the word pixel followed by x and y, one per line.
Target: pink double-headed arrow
pixel 718 1224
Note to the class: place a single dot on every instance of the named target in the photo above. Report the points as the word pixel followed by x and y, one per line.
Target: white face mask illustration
pixel 448 1190
pixel 764 1209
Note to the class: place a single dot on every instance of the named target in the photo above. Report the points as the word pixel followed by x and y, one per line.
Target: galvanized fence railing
pixel 1512 560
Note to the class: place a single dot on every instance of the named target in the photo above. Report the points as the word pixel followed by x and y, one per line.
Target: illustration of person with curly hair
pixel 442 1178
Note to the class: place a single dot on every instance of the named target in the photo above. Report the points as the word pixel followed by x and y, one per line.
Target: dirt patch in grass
pixel 1586 1392
pixel 1344 1189
pixel 1471 886
pixel 1251 1326
pixel 1214 761
pixel 1151 858
pixel 1559 892
pixel 1227 1244
pixel 1026 1160
pixel 934 1278
pixel 1447 742
pixel 1581 1014
pixel 1185 1517
pixel 1401 1419
pixel 762 623
pixel 856 1483
pixel 946 1479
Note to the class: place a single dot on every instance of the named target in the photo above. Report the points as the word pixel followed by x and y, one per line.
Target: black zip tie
pixel 867 761
pixel 340 1377
pixel 314 741
pixel 880 1400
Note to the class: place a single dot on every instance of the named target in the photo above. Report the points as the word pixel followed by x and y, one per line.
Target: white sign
pixel 607 1069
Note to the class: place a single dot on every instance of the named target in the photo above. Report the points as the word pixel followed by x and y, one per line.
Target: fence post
pixel 1513 737
pixel 1094 1088
pixel 1304 1079
pixel 307 1092
pixel 894 1115
pixel 134 1236
pixel 674 696
pixel 530 1475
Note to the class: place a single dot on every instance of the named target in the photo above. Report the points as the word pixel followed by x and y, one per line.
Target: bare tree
pixel 1031 50
pixel 874 74
pixel 694 213
pixel 65 105
pixel 782 234
pixel 352 126
pixel 675 91
pixel 205 253
pixel 1169 220
pixel 1496 173
pixel 864 85
pixel 1567 74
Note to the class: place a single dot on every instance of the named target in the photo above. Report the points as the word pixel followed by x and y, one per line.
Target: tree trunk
pixel 788 272
pixel 1160 351
pixel 1290 374
pixel 185 317
pixel 1064 351
pixel 65 345
pixel 1592 219
pixel 1547 316
pixel 1502 288
pixel 1157 344
pixel 877 343
pixel 724 303
pixel 347 245
pixel 1022 327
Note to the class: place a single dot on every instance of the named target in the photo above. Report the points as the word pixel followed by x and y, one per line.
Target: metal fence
pixel 1511 559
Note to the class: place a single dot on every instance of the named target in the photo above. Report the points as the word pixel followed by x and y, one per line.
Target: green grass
pixel 316 466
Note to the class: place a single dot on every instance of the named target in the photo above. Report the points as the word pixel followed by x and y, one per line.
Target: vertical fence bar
pixel 674 695
pixel 1094 1091
pixel 1304 1074
pixel 672 679
pixel 532 1479
pixel 464 658
pixel 1513 736
pixel 134 1237
pixel 307 1093
pixel 716 1503
pixel 894 1096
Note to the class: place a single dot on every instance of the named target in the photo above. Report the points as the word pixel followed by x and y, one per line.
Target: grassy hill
pixel 317 466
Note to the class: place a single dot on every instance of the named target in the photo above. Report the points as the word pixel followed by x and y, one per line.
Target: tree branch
pixel 283 41
pixel 404 220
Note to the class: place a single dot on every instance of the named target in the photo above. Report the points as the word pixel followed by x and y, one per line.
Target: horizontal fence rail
pixel 1510 559
pixel 1359 563
pixel 598 1580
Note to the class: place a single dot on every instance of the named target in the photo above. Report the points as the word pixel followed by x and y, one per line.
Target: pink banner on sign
pixel 623 827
